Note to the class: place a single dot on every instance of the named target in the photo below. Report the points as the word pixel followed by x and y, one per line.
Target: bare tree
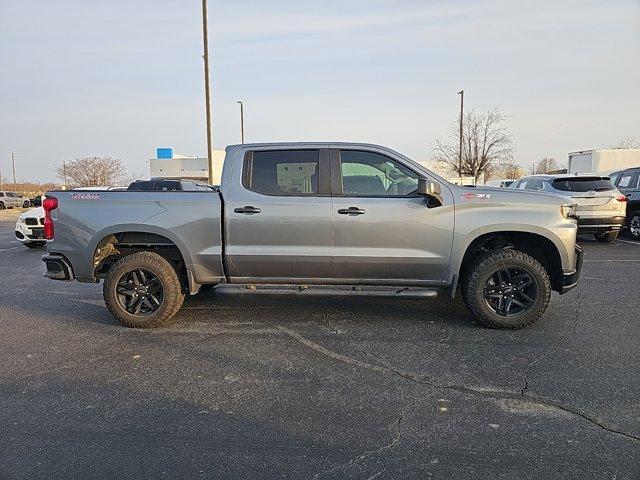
pixel 512 171
pixel 486 144
pixel 547 165
pixel 626 142
pixel 92 171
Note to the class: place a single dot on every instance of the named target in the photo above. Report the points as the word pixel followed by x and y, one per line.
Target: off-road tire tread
pixel 491 260
pixel 173 292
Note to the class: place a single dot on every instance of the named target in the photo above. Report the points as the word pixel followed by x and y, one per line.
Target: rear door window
pixel 533 184
pixel 628 180
pixel 140 186
pixel 282 172
pixel 167 186
pixel 585 184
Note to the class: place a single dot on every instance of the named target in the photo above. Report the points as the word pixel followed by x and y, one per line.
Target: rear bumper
pixel 600 224
pixel 58 267
pixel 571 278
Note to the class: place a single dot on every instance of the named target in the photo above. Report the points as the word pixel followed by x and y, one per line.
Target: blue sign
pixel 164 152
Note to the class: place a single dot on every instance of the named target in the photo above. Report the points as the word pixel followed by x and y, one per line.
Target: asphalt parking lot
pixel 266 387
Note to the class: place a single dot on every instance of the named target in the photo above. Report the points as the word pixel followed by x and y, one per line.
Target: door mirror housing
pixel 429 188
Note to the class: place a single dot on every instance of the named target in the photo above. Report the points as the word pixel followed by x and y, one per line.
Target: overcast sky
pixel 115 77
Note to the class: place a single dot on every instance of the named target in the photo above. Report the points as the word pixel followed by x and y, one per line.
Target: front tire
pixel 143 290
pixel 606 237
pixel 506 289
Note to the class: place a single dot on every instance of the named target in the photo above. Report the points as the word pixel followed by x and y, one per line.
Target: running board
pixel 327 291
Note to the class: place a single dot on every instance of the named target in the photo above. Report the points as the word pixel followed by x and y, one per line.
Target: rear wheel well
pixel 118 245
pixel 537 246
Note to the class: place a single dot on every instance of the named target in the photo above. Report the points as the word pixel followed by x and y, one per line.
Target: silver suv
pixel 601 208
pixel 12 199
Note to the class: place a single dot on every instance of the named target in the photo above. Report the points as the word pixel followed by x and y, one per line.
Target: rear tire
pixel 634 225
pixel 121 291
pixel 479 289
pixel 26 204
pixel 2 207
pixel 35 244
pixel 606 237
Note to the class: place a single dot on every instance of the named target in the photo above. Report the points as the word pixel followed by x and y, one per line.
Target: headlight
pixel 569 211
pixel 20 219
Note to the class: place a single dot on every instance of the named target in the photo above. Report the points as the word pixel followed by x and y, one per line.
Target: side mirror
pixel 429 188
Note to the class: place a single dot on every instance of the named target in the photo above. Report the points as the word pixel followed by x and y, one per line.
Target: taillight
pixel 49 204
pixel 622 198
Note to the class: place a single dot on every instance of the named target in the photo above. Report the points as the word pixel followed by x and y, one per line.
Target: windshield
pixel 585 184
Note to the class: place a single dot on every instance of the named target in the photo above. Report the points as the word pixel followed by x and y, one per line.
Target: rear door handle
pixel 247 210
pixel 351 211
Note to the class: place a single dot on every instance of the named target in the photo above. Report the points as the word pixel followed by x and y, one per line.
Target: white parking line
pixel 619 260
pixel 637 244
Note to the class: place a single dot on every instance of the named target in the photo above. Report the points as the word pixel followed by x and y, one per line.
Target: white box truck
pixel 603 161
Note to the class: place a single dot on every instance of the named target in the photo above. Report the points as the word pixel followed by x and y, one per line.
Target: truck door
pixel 383 231
pixel 278 217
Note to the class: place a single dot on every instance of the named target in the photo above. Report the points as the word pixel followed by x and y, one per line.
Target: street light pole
pixel 241 120
pixel 13 166
pixel 205 56
pixel 461 93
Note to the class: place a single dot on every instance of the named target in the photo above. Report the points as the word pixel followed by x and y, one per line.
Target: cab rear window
pixel 585 184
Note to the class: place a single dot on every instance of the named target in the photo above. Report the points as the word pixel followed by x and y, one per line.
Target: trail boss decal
pixel 85 196
pixel 471 196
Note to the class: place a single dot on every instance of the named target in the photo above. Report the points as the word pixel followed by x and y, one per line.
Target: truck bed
pixel 190 220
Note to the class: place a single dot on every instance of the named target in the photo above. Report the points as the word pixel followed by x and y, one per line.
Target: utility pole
pixel 241 120
pixel 461 93
pixel 205 40
pixel 13 166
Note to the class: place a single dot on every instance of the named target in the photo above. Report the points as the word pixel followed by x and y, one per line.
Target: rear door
pixel 383 231
pixel 628 185
pixel 278 217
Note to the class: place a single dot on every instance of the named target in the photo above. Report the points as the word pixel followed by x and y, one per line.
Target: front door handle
pixel 247 210
pixel 351 211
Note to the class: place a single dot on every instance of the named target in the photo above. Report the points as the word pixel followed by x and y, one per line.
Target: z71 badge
pixel 471 196
pixel 85 196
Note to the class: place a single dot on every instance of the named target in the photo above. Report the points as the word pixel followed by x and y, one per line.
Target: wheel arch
pixel 541 246
pixel 141 238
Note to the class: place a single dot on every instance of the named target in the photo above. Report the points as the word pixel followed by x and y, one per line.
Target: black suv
pixel 628 182
pixel 170 184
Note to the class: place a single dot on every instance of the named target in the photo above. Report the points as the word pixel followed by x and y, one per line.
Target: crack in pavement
pixel 397 436
pixel 557 347
pixel 422 379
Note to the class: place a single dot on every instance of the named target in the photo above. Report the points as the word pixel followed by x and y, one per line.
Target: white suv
pixel 12 199
pixel 600 206
pixel 30 228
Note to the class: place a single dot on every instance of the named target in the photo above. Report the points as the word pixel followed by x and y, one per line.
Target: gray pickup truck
pixel 323 219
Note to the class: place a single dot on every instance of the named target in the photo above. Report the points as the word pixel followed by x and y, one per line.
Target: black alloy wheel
pixel 510 291
pixel 139 292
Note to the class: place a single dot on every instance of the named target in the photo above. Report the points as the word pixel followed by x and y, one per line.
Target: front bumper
pixel 571 278
pixel 58 267
pixel 600 224
pixel 29 233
